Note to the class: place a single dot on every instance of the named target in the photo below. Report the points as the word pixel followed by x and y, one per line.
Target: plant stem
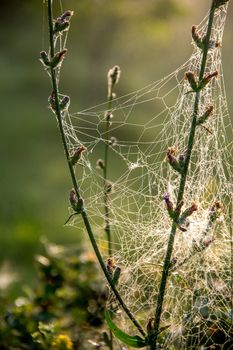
pixel 106 197
pixel 231 252
pixel 73 177
pixel 184 173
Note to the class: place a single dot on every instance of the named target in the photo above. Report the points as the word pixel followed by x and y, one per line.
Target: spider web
pixel 198 303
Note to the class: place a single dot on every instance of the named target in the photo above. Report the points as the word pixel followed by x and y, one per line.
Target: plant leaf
pixel 133 341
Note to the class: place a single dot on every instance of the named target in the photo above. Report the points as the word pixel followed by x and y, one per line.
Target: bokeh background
pixel 147 38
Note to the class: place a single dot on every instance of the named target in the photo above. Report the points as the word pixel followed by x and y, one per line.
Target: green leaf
pixel 133 341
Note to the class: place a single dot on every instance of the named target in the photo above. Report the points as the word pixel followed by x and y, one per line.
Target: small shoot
pixel 114 271
pixel 176 164
pixel 183 221
pixel 53 62
pixel 215 211
pixel 62 23
pixel 77 205
pixel 201 41
pixel 64 102
pixel 77 154
pixel 201 120
pixel 198 86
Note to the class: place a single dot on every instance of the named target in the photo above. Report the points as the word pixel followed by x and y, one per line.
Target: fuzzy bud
pixel 173 161
pixel 197 38
pixel 205 116
pixel 100 164
pixel 44 59
pixel 77 154
pixel 66 15
pixel 183 221
pixel 150 326
pixel 192 81
pixel 201 41
pixel 108 187
pixel 111 266
pixel 109 116
pixel 113 78
pixel 64 103
pixel 189 211
pixel 76 203
pixel 51 100
pixel 73 198
pixel 114 75
pixel 207 78
pixel 60 26
pixel 58 58
pixel 215 211
pixel 169 205
pixel 62 23
pixel 113 141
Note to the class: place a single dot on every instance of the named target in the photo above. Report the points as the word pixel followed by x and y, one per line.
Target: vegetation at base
pixel 65 309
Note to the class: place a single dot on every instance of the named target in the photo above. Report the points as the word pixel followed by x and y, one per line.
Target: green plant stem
pixel 105 170
pixel 106 197
pixel 231 253
pixel 73 177
pixel 184 173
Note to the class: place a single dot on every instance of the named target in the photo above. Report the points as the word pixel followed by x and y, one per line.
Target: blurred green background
pixel 147 38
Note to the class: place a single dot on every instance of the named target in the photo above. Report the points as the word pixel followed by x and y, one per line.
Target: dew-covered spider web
pixel 145 123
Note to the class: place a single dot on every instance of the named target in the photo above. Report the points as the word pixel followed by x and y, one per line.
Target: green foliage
pixel 67 297
pixel 132 341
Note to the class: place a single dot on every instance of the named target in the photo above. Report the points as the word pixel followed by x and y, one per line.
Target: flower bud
pixel 51 100
pixel 44 59
pixel 173 161
pixel 100 164
pixel 76 203
pixel 111 266
pixel 77 154
pixel 189 211
pixel 66 15
pixel 215 211
pixel 60 26
pixel 205 116
pixel 113 141
pixel 58 58
pixel 108 187
pixel 207 78
pixel 114 75
pixel 192 81
pixel 73 199
pixel 113 78
pixel 150 326
pixel 197 38
pixel 183 221
pixel 62 23
pixel 64 103
pixel 169 205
